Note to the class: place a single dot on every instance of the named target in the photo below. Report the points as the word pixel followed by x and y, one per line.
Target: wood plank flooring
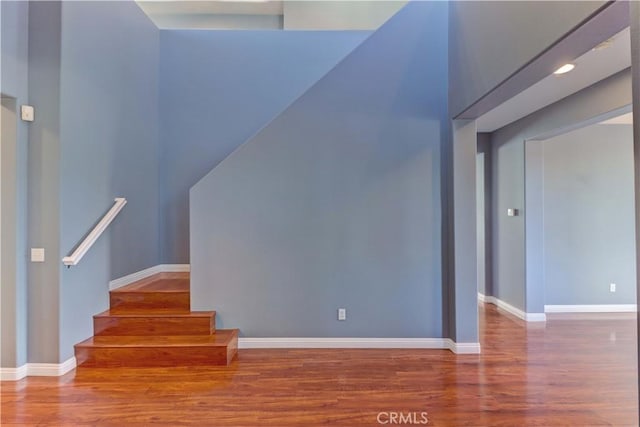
pixel 572 371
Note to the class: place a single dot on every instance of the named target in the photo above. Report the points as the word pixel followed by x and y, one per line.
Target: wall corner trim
pixel 142 274
pixel 528 317
pixel 390 343
pixel 37 370
pixel 591 308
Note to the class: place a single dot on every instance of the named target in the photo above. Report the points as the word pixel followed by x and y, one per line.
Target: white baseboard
pixel 422 343
pixel 142 274
pixel 485 299
pixel 13 374
pixel 433 343
pixel 591 308
pixel 464 347
pixel 37 370
pixel 529 317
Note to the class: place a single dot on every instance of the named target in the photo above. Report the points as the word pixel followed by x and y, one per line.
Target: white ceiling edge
pixel 219 22
pixel 339 15
pixel 310 15
pixel 167 8
pixel 625 119
pixel 592 67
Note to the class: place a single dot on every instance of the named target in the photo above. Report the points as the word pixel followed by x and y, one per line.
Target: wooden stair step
pixel 161 282
pixel 158 351
pixel 176 301
pixel 149 311
pixel 162 291
pixel 154 322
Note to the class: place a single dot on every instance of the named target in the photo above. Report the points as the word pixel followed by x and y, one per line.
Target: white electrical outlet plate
pixel 27 113
pixel 612 287
pixel 342 314
pixel 37 254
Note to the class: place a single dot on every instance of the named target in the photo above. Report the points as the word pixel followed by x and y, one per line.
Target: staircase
pixel 150 324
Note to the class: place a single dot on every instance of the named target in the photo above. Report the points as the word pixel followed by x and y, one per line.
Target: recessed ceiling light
pixel 564 69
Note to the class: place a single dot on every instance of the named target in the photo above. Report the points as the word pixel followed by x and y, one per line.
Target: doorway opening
pixel 580 225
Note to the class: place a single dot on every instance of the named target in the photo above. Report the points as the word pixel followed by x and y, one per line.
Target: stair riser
pixel 122 301
pixel 115 357
pixel 232 350
pixel 154 325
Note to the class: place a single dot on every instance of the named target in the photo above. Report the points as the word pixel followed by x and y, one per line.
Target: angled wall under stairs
pixel 150 324
pixel 336 203
pixel 234 83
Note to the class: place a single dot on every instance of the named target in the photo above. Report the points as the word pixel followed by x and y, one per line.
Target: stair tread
pixel 222 337
pixel 154 313
pixel 147 311
pixel 161 282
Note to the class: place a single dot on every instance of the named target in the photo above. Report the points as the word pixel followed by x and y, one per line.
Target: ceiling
pixel 271 15
pixel 591 67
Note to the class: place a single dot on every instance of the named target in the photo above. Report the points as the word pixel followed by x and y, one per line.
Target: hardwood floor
pixel 571 371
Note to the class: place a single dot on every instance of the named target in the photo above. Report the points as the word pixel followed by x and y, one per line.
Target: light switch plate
pixel 37 254
pixel 27 113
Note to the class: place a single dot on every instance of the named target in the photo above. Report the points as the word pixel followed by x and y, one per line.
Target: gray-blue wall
pixel 108 148
pixel 336 203
pixel 464 310
pixel 44 181
pixel 508 186
pixel 93 79
pixel 484 217
pixel 218 88
pixel 589 218
pixel 14 84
